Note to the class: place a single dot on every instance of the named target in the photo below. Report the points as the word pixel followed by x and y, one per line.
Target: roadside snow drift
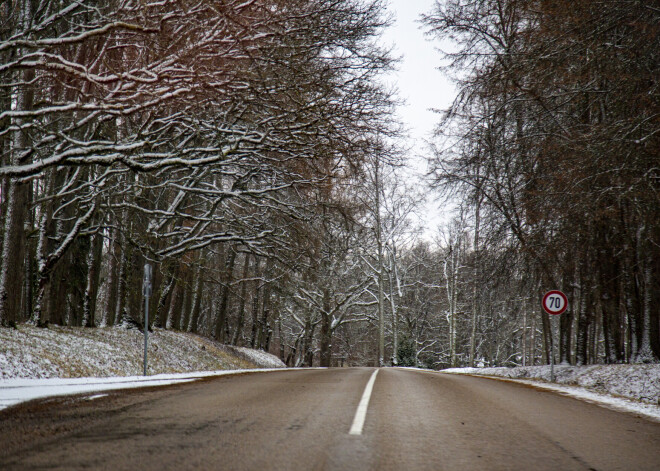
pixel 630 388
pixel 17 390
pixel 638 382
pixel 66 352
pixel 37 363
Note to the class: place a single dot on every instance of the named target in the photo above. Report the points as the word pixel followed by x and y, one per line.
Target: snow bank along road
pixel 301 420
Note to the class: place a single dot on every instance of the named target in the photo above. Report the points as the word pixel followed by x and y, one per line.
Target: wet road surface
pixel 300 420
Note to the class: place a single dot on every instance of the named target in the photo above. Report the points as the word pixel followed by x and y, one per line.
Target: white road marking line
pixel 361 412
pixel 96 396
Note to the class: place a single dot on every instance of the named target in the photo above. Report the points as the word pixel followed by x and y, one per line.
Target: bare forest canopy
pixel 249 150
pixel 558 166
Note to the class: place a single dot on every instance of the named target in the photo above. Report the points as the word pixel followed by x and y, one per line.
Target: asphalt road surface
pixel 300 420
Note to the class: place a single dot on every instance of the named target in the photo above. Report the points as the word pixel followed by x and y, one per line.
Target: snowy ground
pixel 65 352
pixel 14 391
pixel 36 363
pixel 633 388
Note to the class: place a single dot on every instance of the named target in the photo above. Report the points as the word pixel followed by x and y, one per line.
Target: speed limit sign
pixel 555 302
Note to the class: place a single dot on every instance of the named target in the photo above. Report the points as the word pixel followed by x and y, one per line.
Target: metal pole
pixel 146 331
pixel 552 355
pixel 146 291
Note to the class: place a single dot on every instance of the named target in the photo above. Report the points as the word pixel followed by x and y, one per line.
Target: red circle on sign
pixel 554 302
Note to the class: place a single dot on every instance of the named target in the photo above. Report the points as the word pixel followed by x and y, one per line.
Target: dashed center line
pixel 361 412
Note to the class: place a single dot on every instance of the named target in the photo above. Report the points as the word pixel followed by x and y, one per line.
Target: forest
pixel 250 151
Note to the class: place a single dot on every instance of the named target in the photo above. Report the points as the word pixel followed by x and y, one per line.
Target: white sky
pixel 419 81
pixel 422 86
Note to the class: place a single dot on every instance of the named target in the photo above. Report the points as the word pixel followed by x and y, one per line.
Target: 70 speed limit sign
pixel 555 302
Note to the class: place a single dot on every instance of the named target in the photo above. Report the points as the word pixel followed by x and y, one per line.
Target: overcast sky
pixel 418 79
pixel 420 84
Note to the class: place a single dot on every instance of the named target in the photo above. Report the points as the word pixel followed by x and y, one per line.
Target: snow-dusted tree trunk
pixel 186 302
pixel 475 281
pixel 93 275
pixel 451 277
pixel 122 283
pixel 524 333
pixel 326 330
pixel 240 320
pixel 254 339
pixel 165 295
pixel 381 309
pixel 395 290
pixel 644 352
pixel 41 310
pixel 380 268
pixel 197 288
pixel 227 279
pixel 174 310
pixel 265 328
pixel 532 353
pixel 12 273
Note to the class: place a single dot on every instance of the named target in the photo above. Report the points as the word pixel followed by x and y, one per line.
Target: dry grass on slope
pixel 71 352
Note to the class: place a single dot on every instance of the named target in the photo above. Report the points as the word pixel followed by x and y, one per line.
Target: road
pixel 300 420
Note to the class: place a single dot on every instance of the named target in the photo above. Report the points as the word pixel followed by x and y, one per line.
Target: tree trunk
pixel 532 352
pixel 547 336
pixel 644 352
pixel 326 331
pixel 381 310
pixel 121 285
pixel 12 264
pixel 228 276
pixel 281 338
pixel 475 283
pixel 255 305
pixel 57 307
pixel 584 323
pixel 266 304
pixel 308 347
pixel 41 309
pixel 185 306
pixel 30 258
pixel 565 336
pixel 241 308
pixel 524 333
pixel 654 317
pixel 197 288
pixel 94 275
pixel 394 283
pixel 174 309
pixel 165 296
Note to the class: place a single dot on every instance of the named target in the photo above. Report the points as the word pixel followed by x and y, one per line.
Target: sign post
pixel 146 292
pixel 554 302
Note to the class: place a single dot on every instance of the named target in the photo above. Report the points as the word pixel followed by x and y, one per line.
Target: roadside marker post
pixel 554 302
pixel 146 292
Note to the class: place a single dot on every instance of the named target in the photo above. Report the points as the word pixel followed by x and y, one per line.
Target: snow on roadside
pixel 14 391
pixel 633 388
pixel 259 357
pixel 37 363
pixel 65 352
